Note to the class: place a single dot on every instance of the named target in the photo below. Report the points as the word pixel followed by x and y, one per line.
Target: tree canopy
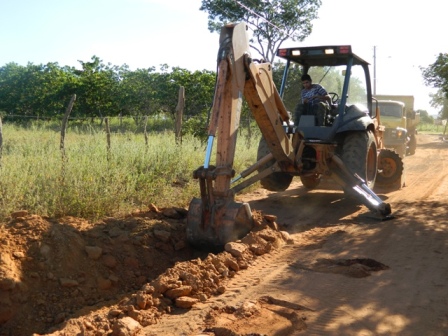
pixel 272 21
pixel 102 90
pixel 436 76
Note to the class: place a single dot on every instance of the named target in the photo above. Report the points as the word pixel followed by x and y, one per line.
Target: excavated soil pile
pixel 69 276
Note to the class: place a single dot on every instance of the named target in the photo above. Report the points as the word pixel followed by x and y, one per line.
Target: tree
pixel 138 91
pixel 425 118
pixel 293 85
pixel 199 88
pixel 102 90
pixel 11 87
pixel 272 21
pixel 436 76
pixel 21 89
pixel 34 90
pixel 98 87
pixel 439 100
pixel 56 87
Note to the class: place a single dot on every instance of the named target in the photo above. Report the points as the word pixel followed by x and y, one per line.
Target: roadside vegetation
pixel 91 180
pixel 431 128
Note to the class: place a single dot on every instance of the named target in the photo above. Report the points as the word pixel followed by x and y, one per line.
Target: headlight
pixel 398 133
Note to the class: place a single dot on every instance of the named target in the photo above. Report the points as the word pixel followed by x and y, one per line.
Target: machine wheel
pixel 277 181
pixel 359 154
pixel 390 166
pixel 412 145
pixel 311 182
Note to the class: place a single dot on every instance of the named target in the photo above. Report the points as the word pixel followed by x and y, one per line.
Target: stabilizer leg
pixel 358 188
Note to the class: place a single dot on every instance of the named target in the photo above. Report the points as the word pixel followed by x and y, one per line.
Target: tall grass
pixel 430 128
pixel 90 182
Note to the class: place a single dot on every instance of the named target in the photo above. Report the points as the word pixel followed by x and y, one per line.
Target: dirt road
pixel 347 273
pixel 340 271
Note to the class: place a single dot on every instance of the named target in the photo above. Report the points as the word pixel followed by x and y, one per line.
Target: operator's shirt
pixel 314 90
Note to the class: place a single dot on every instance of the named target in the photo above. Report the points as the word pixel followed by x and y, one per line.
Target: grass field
pixel 431 128
pixel 91 180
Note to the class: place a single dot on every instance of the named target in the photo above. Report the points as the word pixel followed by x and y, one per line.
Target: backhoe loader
pixel 346 148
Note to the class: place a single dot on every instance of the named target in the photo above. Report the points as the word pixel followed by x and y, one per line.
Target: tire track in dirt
pixel 426 168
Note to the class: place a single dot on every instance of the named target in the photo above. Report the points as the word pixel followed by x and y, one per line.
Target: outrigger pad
pixel 214 228
pixel 388 217
pixel 379 218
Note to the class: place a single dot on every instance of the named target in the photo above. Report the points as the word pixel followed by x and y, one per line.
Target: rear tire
pixel 412 145
pixel 359 154
pixel 277 181
pixel 391 167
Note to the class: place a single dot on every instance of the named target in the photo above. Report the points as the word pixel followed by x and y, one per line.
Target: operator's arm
pixel 322 95
pixel 325 97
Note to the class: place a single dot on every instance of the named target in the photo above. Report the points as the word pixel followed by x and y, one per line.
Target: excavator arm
pixel 215 218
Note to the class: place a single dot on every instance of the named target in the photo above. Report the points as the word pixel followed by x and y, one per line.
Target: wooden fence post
pixel 62 148
pixel 64 124
pixel 106 122
pixel 179 113
pixel 146 132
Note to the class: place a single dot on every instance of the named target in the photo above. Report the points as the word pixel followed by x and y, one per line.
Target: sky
pixel 403 35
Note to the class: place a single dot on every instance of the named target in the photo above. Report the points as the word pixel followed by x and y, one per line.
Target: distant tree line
pixel 105 90
pixel 101 89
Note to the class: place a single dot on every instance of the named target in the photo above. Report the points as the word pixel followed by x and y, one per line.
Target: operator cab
pixel 345 77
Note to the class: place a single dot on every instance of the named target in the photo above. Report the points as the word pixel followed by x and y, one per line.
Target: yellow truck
pixel 401 120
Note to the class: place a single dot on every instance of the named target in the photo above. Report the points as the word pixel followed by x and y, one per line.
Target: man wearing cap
pixel 315 101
